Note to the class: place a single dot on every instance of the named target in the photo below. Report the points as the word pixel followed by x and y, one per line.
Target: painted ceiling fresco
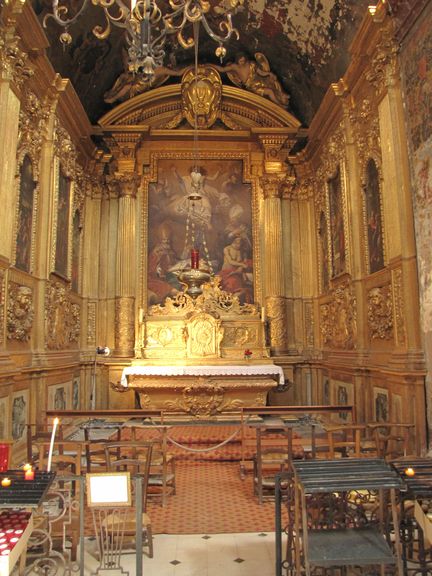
pixel 305 41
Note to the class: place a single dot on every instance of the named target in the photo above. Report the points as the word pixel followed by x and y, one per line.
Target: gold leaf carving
pixel 276 311
pixel 125 324
pixel 338 318
pixel 213 300
pixel 399 305
pixel 62 317
pixel 91 324
pixel 14 64
pixel 20 312
pixel 380 313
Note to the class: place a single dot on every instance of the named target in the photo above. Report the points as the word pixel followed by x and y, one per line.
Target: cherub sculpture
pixel 255 76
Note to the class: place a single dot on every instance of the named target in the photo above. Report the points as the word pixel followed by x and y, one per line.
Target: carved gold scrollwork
pixel 399 305
pixel 91 324
pixel 66 152
pixel 13 61
pixel 276 311
pixel 125 325
pixel 240 336
pixel 62 317
pixel 20 312
pixel 380 313
pixel 213 300
pixel 203 400
pixel 383 66
pixel 338 318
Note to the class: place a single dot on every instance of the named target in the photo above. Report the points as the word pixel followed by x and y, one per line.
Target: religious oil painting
pixel 381 404
pixel 216 222
pixel 62 234
pixel 76 239
pixel 323 244
pixel 59 396
pixel 20 412
pixel 25 216
pixel 337 230
pixel 374 218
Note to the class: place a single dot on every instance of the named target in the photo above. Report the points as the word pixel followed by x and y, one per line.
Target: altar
pixel 202 391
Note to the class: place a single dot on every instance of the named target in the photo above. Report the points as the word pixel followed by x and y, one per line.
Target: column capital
pixel 14 63
pixel 272 185
pixel 123 146
pixel 123 184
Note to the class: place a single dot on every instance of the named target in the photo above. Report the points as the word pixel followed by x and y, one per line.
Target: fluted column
pixel 274 276
pixel 125 267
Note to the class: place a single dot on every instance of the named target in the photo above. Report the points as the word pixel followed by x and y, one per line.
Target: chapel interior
pixel 245 228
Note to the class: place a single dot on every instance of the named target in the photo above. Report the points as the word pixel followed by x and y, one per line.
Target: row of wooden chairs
pixel 89 455
pixel 275 447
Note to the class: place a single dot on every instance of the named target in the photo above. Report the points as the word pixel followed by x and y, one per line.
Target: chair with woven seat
pixel 350 440
pixel 134 457
pixel 37 433
pixel 393 439
pixel 274 451
pixel 162 469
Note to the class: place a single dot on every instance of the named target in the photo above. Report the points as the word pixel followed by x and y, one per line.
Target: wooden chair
pixel 162 469
pixel 273 454
pixel 350 440
pixel 134 457
pixel 393 439
pixel 66 457
pixel 37 433
pixel 95 455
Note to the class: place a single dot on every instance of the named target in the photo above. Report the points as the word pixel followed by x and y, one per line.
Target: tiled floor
pixel 204 555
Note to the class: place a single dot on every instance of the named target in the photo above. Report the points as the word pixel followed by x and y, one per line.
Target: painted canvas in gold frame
pixel 219 225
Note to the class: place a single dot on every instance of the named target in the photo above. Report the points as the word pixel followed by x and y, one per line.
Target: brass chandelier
pixel 147 23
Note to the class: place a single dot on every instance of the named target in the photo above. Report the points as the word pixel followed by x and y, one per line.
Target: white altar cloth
pixel 235 370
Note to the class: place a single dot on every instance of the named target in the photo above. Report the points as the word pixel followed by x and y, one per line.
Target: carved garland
pixel 380 313
pixel 62 318
pixel 338 318
pixel 20 312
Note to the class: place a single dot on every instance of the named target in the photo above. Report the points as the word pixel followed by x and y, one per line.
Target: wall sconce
pixel 100 351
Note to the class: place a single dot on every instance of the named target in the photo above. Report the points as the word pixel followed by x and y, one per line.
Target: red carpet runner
pixel 211 498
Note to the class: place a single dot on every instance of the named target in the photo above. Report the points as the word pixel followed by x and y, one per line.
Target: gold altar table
pixel 202 391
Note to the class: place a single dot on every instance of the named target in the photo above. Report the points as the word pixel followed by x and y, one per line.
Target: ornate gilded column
pixel 125 266
pixel 274 280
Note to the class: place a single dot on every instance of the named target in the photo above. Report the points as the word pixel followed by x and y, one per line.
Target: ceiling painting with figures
pixel 218 226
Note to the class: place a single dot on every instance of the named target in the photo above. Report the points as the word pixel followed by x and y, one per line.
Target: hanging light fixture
pixel 195 236
pixel 146 25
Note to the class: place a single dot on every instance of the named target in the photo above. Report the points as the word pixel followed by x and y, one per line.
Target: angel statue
pixel 255 76
pixel 129 84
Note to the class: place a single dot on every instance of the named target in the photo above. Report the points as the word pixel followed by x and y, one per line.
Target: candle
pixel 27 467
pixel 29 474
pixel 194 259
pixel 51 448
pixel 6 482
pixel 410 472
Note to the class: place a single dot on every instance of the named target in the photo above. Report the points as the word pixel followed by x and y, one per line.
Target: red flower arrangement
pixel 247 354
